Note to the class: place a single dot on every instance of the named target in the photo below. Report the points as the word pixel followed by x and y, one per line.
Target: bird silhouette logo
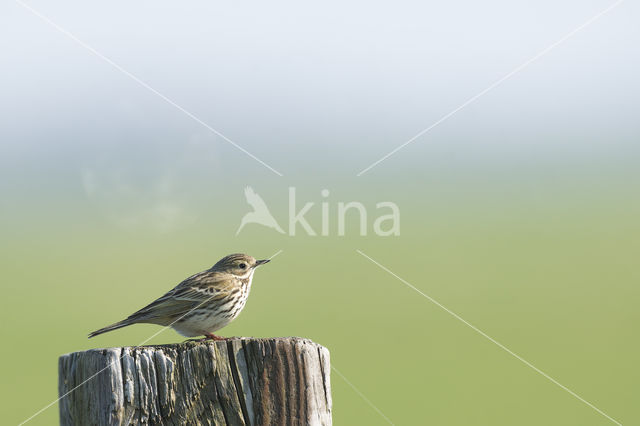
pixel 260 213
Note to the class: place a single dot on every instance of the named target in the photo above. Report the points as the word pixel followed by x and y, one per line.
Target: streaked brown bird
pixel 203 303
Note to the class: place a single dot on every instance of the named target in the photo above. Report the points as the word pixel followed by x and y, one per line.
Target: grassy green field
pixel 552 277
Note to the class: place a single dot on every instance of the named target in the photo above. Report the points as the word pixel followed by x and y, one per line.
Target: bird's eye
pixel 242 265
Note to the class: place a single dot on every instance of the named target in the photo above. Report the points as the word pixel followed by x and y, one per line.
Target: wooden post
pixel 242 381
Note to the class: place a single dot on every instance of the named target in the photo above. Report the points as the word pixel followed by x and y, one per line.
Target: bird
pixel 201 304
pixel 260 213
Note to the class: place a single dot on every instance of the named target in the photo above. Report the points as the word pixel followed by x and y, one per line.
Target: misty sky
pixel 315 88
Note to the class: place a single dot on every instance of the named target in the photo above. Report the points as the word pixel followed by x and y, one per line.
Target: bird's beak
pixel 261 262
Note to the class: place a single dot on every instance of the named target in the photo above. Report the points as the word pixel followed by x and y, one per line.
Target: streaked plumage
pixel 203 303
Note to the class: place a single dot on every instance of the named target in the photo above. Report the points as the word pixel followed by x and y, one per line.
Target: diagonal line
pixel 112 362
pixel 496 83
pixel 142 83
pixel 500 345
pixel 361 395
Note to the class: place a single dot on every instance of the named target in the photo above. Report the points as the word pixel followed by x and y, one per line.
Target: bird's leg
pixel 209 336
pixel 212 336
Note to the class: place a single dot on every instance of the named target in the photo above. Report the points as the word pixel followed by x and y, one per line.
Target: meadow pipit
pixel 203 303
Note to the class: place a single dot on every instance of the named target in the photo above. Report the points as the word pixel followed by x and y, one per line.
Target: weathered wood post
pixel 243 381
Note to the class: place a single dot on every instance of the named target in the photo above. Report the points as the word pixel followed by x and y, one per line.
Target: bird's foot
pixel 208 336
pixel 211 336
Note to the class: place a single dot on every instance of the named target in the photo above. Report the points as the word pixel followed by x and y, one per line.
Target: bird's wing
pixel 188 295
pixel 255 200
pixel 213 287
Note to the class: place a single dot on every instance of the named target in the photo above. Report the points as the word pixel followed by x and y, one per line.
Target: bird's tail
pixel 112 327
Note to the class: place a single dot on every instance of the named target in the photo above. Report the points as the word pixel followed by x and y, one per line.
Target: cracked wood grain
pixel 243 381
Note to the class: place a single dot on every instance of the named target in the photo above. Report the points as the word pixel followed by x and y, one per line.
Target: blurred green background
pixel 548 268
pixel 520 213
